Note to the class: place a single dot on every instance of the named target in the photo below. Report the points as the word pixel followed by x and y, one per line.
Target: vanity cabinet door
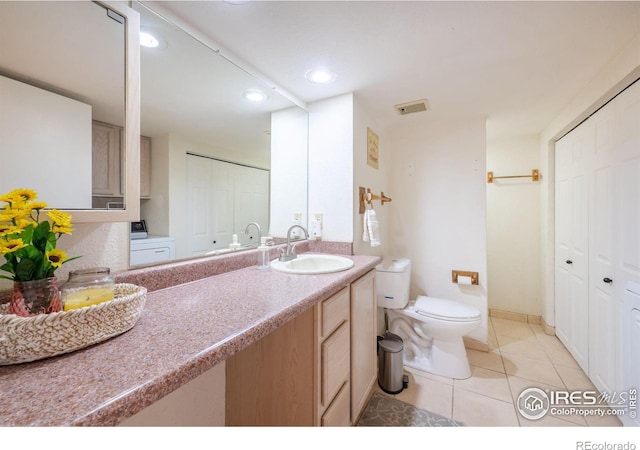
pixel 334 311
pixel 334 363
pixel 333 339
pixel 337 414
pixel 364 363
pixel 106 145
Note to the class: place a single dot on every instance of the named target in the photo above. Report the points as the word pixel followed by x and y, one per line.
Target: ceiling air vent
pixel 412 107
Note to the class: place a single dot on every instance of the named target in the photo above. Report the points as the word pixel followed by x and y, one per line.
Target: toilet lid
pixel 445 309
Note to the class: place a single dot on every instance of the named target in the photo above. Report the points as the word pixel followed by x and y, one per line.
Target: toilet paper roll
pixel 464 280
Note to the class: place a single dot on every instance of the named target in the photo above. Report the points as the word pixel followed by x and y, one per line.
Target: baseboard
pixel 547 328
pixel 501 314
pixel 475 345
pixel 521 317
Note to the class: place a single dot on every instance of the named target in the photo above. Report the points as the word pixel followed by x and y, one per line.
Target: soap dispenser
pixel 263 254
pixel 235 245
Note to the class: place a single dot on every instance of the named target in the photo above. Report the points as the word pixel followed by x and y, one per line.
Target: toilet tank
pixel 393 277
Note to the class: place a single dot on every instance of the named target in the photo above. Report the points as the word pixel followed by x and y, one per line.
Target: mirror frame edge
pixel 131 153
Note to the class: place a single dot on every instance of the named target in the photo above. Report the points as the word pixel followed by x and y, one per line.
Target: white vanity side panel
pixel 51 119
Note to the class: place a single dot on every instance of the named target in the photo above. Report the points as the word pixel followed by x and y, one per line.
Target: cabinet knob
pixel 215 242
pixel 568 261
pixel 607 280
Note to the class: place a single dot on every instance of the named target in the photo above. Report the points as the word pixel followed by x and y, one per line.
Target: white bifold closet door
pixel 222 199
pixel 598 234
pixel 573 153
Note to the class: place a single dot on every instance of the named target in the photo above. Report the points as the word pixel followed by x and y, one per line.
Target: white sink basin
pixel 310 264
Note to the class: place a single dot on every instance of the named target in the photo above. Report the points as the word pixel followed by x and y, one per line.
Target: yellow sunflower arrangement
pixel 28 244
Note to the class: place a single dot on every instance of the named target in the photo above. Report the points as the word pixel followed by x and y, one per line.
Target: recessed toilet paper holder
pixel 462 273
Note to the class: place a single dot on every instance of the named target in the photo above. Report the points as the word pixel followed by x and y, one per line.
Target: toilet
pixel 431 328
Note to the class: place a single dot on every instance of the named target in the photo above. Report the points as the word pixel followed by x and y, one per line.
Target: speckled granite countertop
pixel 184 331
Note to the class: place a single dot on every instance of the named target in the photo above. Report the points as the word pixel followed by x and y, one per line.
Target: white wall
pixel 369 177
pixel 331 166
pixel 438 213
pixel 513 226
pixel 289 140
pixel 620 71
pixel 99 245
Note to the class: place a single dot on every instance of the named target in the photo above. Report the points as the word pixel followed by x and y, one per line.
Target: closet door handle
pixel 607 280
pixel 568 261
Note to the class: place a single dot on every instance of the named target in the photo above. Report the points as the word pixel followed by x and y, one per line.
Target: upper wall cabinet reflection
pixel 68 71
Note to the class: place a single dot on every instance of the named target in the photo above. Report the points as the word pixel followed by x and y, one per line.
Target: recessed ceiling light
pixel 255 95
pixel 148 40
pixel 320 75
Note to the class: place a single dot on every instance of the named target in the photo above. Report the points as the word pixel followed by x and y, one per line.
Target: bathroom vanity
pixel 317 369
pixel 196 326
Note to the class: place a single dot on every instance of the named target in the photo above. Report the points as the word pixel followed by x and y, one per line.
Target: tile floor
pixel 520 355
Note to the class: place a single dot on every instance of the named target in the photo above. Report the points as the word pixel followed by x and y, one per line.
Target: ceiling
pixel 515 63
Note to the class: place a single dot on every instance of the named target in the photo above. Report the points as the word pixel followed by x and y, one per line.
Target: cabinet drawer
pixel 149 256
pixel 335 363
pixel 334 311
pixel 337 415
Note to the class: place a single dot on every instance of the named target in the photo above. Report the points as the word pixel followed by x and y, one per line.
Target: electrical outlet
pixel 316 226
pixel 297 220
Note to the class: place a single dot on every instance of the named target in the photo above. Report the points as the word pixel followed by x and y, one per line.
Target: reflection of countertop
pixel 184 331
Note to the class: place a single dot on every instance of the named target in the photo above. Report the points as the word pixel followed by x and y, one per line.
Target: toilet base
pixel 445 358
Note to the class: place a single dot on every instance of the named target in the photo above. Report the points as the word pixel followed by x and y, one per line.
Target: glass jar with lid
pixel 87 287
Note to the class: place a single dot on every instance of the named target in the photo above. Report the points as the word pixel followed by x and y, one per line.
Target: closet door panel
pixel 222 204
pixel 579 271
pixel 627 179
pixel 563 313
pixel 602 344
pixel 602 340
pixel 563 239
pixel 628 225
pixel 573 155
pixel 602 357
pixel 579 312
pixel 628 176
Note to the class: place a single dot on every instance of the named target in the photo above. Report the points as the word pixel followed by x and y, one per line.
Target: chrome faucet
pixel 246 230
pixel 289 252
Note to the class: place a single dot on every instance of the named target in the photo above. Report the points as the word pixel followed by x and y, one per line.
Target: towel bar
pixel 535 176
pixel 367 197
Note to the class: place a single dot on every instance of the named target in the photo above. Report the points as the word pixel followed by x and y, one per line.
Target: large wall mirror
pixel 68 72
pixel 216 166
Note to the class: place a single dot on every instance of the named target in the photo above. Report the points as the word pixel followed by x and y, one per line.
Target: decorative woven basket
pixel 24 339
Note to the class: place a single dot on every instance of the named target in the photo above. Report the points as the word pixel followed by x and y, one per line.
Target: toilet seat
pixel 438 308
